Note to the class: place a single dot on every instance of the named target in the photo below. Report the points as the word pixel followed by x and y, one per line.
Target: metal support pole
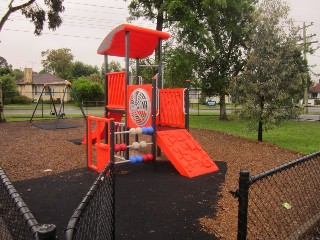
pixel 105 85
pixel 35 109
pixel 137 70
pixel 186 105
pixel 78 102
pixel 154 120
pixel 243 204
pixel 106 90
pixel 52 100
pixel 62 103
pixel 127 65
pixel 160 82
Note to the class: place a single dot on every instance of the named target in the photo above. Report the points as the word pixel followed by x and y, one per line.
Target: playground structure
pixel 162 114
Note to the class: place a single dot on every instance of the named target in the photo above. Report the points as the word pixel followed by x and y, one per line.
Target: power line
pixel 55 34
pixel 93 5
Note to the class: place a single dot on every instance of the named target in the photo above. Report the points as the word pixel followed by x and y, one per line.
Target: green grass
pixel 298 136
pixel 30 106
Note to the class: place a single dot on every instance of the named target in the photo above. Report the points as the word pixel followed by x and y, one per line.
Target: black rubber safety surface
pixel 150 204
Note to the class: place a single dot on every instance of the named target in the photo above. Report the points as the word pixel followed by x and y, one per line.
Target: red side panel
pixel 172 107
pixel 116 90
pixel 99 131
pixel 185 153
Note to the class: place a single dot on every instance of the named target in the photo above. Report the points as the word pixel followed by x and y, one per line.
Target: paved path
pixel 72 110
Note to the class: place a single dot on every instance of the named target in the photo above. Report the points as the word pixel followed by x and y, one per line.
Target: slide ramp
pixel 185 153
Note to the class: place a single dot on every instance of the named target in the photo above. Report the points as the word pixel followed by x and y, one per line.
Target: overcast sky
pixel 86 23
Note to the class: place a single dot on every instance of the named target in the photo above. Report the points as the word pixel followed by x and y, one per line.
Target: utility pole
pixel 305 50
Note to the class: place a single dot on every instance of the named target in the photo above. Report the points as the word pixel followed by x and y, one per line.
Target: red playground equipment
pixel 162 114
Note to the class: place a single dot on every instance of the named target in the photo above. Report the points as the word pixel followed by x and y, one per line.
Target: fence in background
pixel 281 203
pixel 95 216
pixel 16 220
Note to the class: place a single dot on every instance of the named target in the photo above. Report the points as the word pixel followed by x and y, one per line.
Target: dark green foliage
pixel 21 100
pixel 180 63
pixel 58 62
pixel 37 13
pixel 87 90
pixel 81 69
pixel 9 88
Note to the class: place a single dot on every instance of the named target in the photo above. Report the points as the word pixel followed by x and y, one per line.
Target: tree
pixel 4 69
pixel 58 62
pixel 81 69
pixel 9 88
pixel 216 32
pixel 114 66
pixel 179 67
pixel 150 10
pixel 36 13
pixel 271 84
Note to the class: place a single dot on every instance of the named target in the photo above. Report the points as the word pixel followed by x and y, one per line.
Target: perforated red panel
pixel 116 90
pixel 185 153
pixel 172 107
pixel 139 106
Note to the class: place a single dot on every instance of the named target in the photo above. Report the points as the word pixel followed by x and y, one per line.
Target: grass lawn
pixel 298 136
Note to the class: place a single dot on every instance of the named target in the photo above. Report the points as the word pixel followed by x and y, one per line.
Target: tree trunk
pixel 223 109
pixel 2 118
pixel 260 131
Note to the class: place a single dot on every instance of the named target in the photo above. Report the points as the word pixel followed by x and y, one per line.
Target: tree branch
pixel 12 10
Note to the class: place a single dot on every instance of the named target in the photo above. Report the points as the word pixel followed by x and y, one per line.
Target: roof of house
pixel 43 79
pixel 315 88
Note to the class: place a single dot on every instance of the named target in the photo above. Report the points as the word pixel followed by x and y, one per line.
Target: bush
pixel 21 100
pixel 317 102
pixel 87 90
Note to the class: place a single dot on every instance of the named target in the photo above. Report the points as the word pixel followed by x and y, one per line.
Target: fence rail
pixel 281 203
pixel 95 216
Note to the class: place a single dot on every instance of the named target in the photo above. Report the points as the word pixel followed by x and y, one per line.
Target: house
pixel 314 93
pixel 31 86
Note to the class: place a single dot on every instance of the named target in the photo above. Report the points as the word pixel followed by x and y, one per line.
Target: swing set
pixel 57 111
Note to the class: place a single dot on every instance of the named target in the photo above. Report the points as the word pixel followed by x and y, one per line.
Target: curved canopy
pixel 143 41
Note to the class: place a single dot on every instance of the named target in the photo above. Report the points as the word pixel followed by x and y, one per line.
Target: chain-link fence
pixel 16 220
pixel 95 216
pixel 93 219
pixel 281 203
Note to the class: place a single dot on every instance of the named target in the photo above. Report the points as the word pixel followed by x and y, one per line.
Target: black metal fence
pixel 95 216
pixel 16 220
pixel 281 203
pixel 93 219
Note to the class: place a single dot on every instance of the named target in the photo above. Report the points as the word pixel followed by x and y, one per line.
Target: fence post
pixel 243 204
pixel 47 232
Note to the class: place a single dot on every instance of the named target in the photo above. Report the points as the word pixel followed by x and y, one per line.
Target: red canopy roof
pixel 143 41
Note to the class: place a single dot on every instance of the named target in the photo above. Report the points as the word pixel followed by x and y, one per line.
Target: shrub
pixel 87 90
pixel 21 99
